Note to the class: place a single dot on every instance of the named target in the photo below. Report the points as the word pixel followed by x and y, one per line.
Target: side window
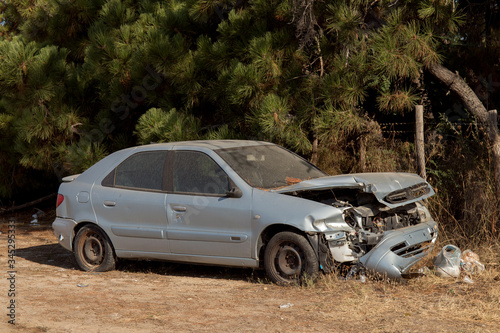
pixel 196 172
pixel 141 171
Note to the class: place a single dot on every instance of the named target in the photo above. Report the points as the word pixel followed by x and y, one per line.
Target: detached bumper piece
pixel 400 249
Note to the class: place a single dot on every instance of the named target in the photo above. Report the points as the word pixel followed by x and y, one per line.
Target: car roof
pixel 210 144
pixel 117 156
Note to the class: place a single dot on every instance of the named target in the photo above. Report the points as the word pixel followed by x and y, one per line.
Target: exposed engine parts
pixel 365 215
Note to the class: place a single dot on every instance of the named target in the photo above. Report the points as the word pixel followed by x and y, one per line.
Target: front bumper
pixel 400 249
pixel 63 229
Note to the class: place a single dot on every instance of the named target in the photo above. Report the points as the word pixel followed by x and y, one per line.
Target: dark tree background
pixel 80 79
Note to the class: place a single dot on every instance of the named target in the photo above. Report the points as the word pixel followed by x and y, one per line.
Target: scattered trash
pixel 470 263
pixel 447 261
pixel 450 262
pixel 357 270
pixel 35 220
pixel 286 306
pixel 82 285
pixel 39 213
pixel 468 279
pixel 424 270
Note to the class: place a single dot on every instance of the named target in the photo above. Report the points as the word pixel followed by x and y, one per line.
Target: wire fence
pixel 404 128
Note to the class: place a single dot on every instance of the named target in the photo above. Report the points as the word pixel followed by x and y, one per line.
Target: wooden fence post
pixel 419 140
pixel 314 151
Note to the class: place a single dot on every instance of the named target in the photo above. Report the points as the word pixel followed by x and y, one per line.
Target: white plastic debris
pixel 424 271
pixel 470 262
pixel 39 213
pixel 82 285
pixel 447 261
pixel 35 219
pixel 468 279
pixel 286 306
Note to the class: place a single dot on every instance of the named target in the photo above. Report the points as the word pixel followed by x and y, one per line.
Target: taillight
pixel 60 199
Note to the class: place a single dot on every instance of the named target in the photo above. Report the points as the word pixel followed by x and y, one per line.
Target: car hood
pixel 393 189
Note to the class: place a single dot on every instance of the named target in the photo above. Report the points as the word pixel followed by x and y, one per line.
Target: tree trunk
pixel 495 147
pixel 28 204
pixel 456 84
pixel 489 120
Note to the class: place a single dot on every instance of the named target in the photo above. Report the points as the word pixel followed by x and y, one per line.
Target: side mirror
pixel 234 193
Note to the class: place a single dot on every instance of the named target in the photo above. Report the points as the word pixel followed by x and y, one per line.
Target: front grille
pixel 409 193
pixel 405 251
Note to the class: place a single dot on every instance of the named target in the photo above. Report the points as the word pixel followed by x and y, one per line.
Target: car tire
pixel 290 259
pixel 93 251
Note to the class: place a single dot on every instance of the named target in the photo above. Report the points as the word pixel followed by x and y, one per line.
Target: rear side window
pixel 196 172
pixel 140 171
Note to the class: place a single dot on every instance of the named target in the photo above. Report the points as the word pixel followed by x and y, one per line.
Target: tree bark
pixel 28 204
pixel 456 84
pixel 495 147
pixel 489 120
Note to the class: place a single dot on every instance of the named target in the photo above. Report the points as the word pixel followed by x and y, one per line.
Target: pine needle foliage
pixel 83 78
pixel 157 125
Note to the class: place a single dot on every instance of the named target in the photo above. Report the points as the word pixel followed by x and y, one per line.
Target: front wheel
pixel 93 251
pixel 289 258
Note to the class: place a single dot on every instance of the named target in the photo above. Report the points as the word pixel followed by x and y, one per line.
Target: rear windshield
pixel 269 166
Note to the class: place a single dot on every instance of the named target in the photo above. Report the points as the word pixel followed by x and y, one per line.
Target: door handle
pixel 179 208
pixel 109 203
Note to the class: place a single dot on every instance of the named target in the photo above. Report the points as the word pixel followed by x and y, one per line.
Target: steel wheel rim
pixel 93 249
pixel 289 260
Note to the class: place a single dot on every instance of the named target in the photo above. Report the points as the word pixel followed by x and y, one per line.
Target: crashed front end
pixel 385 227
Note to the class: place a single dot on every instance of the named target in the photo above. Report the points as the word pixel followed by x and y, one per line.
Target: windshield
pixel 269 166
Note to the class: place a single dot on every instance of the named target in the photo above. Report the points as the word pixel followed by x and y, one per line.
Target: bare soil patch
pixel 52 295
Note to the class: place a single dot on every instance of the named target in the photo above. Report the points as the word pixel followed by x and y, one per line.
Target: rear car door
pixel 202 219
pixel 130 203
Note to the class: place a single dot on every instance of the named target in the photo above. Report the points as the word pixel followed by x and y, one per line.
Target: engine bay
pixel 369 218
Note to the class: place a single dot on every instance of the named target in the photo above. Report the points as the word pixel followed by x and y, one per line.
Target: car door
pixel 202 219
pixel 130 204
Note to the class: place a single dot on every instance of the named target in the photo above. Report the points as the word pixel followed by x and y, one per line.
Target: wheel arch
pixel 80 225
pixel 268 233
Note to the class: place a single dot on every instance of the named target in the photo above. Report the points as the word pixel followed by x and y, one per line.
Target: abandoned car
pixel 241 203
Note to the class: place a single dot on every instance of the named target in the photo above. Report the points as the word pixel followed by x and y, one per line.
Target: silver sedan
pixel 245 204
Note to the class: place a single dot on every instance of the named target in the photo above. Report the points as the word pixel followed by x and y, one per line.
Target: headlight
pixel 423 213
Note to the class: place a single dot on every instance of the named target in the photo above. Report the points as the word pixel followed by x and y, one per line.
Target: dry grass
pixel 153 296
pixel 468 307
pixel 433 303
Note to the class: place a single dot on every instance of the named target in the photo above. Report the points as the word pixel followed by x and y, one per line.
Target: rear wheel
pixel 289 258
pixel 93 251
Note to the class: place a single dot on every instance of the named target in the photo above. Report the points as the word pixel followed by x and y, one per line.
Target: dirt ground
pixel 52 295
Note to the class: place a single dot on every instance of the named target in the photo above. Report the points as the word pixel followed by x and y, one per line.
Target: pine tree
pixel 82 78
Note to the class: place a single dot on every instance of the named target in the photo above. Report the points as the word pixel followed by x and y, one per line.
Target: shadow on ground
pixel 49 254
pixel 56 256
